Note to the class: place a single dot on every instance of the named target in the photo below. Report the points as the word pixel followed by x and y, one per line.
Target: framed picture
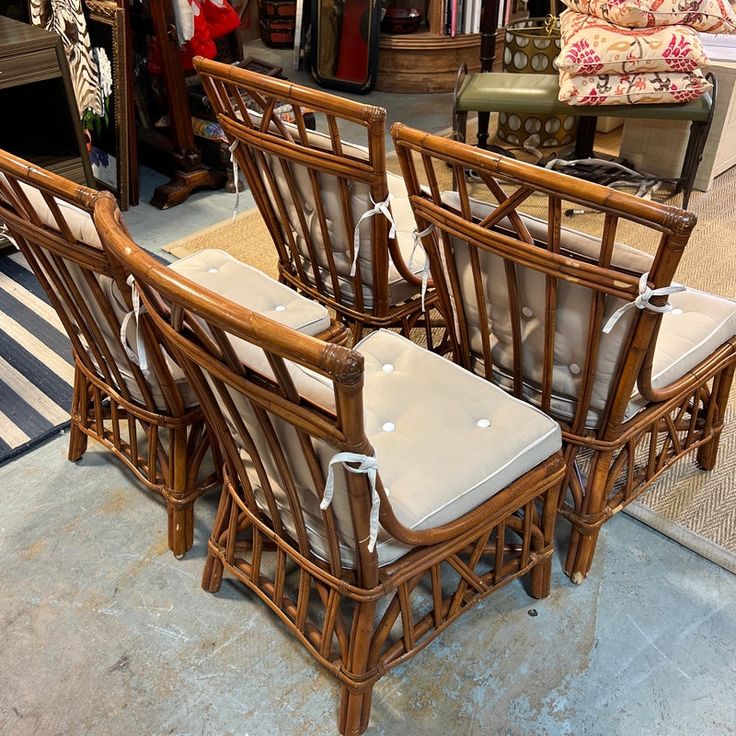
pixel 111 136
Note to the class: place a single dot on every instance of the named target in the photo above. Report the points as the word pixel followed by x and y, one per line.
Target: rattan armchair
pixel 371 495
pixel 128 393
pixel 330 206
pixel 147 416
pixel 578 325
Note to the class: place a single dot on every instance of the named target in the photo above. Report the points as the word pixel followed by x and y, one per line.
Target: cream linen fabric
pixel 340 232
pixel 245 285
pixel 83 229
pixel 698 324
pixel 422 416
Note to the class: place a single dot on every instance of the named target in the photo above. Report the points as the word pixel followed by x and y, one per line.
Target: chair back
pixel 528 298
pixel 280 403
pixel 49 218
pixel 311 188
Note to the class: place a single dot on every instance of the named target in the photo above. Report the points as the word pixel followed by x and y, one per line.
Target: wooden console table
pixel 41 121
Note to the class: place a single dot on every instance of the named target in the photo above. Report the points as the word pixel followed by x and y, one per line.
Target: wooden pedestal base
pixel 183 183
pixel 424 62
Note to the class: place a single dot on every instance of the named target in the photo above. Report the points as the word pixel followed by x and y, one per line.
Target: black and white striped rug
pixel 36 369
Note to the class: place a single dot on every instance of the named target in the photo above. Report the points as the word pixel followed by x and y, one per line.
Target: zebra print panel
pixel 66 19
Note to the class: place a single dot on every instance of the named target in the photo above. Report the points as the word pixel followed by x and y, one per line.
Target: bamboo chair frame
pixel 163 445
pixel 272 149
pixel 346 617
pixel 624 457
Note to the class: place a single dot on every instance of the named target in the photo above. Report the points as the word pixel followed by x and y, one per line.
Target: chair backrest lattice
pixel 49 218
pixel 311 187
pixel 526 296
pixel 281 405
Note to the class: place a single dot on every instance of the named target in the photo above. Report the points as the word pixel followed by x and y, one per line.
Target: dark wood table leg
pixel 585 137
pixel 483 122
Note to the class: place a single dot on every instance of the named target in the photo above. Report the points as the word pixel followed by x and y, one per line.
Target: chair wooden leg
pixel 355 705
pixel 181 528
pixel 708 453
pixel 181 516
pixel 355 711
pixel 580 554
pixel 582 545
pixel 77 438
pixel 540 579
pixel 212 573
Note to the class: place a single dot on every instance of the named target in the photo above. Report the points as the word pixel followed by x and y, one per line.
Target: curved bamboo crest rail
pixel 314 567
pixel 485 261
pixel 312 190
pixel 142 415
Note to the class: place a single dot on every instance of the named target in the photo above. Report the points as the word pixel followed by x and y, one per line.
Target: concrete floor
pixel 104 633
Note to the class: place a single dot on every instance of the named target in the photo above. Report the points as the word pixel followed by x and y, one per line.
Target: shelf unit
pixel 428 60
pixel 35 84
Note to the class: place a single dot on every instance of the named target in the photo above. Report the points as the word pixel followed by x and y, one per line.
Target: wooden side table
pixel 40 120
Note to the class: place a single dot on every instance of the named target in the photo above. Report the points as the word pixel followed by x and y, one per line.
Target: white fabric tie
pixel 642 301
pixel 137 356
pixel 368 466
pixel 236 176
pixel 417 236
pixel 379 208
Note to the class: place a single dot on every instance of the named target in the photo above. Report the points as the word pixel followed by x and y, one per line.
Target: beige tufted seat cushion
pixel 698 324
pixel 232 279
pixel 445 441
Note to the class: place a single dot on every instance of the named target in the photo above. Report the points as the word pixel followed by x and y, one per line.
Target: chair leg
pixel 582 545
pixel 181 529
pixel 355 705
pixel 213 567
pixel 355 711
pixel 540 579
pixel 708 453
pixel 181 516
pixel 77 438
pixel 212 573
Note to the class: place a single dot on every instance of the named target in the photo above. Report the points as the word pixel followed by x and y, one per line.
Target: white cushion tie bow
pixel 379 208
pixel 368 466
pixel 137 356
pixel 642 301
pixel 417 236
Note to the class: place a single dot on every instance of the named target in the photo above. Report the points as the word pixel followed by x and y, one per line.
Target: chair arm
pixel 402 267
pixel 695 377
pixel 541 478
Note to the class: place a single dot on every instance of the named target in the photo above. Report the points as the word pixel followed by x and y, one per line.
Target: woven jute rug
pixel 695 508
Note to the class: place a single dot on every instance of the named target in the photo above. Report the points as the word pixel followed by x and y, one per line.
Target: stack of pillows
pixel 627 52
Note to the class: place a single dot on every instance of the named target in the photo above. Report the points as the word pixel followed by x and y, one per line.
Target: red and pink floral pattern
pixel 591 45
pixel 708 16
pixel 632 89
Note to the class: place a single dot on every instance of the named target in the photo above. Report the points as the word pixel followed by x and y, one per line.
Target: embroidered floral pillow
pixel 594 46
pixel 632 89
pixel 709 16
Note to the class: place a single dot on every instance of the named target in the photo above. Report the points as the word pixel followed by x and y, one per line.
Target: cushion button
pixel 676 311
pixel 527 312
pixel 575 369
pixel 280 308
pixel 483 423
pixel 387 368
pixel 211 270
pixel 388 427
